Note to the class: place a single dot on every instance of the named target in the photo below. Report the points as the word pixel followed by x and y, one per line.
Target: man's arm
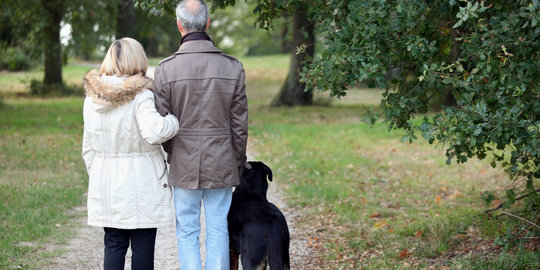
pixel 162 96
pixel 239 121
pixel 160 92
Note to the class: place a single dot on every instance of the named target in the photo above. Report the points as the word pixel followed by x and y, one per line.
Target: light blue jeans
pixel 187 203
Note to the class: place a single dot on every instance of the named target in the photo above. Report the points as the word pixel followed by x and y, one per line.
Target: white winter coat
pixel 128 186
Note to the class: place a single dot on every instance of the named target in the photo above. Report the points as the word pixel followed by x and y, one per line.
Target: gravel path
pixel 85 250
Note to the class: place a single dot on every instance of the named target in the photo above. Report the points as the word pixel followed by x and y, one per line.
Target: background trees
pixel 486 55
pixel 480 60
pixel 34 26
pixel 30 34
pixel 292 92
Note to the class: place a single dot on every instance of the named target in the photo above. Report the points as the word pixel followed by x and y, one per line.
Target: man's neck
pixel 195 35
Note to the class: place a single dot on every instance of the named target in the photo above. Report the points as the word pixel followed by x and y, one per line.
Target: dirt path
pixel 85 251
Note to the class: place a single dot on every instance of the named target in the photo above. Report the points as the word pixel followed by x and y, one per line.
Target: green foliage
pixel 232 28
pixel 487 57
pixel 93 26
pixel 267 10
pixel 14 59
pixel 520 260
pixel 40 25
pixel 233 31
pixel 157 7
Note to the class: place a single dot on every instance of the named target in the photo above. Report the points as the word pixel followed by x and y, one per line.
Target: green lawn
pixel 42 175
pixel 12 83
pixel 366 200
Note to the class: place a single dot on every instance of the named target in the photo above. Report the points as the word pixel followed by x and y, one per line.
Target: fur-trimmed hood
pixel 109 92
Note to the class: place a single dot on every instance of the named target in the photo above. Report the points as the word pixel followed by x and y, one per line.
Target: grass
pixel 41 175
pixel 370 201
pixel 13 83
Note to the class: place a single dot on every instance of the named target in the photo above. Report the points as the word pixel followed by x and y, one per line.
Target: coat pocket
pixel 164 189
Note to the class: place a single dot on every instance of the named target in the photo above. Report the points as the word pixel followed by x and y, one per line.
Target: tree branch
pixel 520 218
pixel 517 199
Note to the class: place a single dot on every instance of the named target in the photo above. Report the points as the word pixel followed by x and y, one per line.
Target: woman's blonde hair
pixel 125 56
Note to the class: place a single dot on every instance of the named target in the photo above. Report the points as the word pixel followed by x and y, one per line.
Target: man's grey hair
pixel 192 14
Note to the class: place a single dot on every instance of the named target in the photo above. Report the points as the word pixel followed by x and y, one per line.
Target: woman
pixel 128 193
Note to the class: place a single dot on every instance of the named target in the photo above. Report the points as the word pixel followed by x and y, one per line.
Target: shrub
pixel 37 88
pixel 14 59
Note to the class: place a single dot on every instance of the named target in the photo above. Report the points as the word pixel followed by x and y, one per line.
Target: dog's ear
pixel 268 172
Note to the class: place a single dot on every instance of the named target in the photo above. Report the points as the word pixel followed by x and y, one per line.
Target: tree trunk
pixel 54 11
pixel 293 92
pixel 285 40
pixel 125 26
pixel 449 99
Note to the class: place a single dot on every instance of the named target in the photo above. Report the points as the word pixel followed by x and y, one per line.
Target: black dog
pixel 258 230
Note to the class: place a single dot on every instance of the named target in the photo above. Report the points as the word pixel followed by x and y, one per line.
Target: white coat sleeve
pixel 88 153
pixel 154 128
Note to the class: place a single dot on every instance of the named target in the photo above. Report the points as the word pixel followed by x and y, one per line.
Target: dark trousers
pixel 142 248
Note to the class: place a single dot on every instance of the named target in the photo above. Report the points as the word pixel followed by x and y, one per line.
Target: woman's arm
pixel 88 153
pixel 154 128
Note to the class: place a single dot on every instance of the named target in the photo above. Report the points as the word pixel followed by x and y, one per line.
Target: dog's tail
pixel 278 250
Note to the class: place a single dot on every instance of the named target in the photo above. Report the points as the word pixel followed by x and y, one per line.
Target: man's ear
pixel 179 25
pixel 208 23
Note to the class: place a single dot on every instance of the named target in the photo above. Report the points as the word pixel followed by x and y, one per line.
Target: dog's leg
pixel 262 265
pixel 234 259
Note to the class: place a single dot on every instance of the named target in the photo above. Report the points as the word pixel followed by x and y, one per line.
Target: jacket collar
pixel 197 46
pixel 113 91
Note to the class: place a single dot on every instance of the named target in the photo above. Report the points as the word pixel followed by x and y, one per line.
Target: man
pixel 205 89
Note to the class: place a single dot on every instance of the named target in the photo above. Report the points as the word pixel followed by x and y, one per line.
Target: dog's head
pixel 255 179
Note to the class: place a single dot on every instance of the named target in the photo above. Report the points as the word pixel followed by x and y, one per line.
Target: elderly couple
pixel 196 108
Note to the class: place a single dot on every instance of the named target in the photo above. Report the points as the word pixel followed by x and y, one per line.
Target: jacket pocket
pixel 164 189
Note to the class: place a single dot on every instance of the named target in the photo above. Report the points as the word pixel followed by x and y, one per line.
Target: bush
pixel 37 88
pixel 14 59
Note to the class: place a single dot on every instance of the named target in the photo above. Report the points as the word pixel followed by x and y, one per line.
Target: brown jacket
pixel 205 89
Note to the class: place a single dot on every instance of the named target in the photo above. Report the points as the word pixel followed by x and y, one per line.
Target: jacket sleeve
pixel 154 128
pixel 239 121
pixel 88 153
pixel 161 94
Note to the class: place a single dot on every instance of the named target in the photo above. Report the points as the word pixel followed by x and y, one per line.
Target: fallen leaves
pixel 404 254
pixel 380 224
pixel 313 242
pixel 455 195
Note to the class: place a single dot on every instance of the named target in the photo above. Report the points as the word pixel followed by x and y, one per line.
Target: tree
pixel 233 32
pixel 54 10
pixel 486 55
pixel 293 91
pixel 45 27
pixel 94 24
pixel 126 20
pixel 42 22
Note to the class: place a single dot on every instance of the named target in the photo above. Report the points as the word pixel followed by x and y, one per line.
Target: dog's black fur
pixel 258 231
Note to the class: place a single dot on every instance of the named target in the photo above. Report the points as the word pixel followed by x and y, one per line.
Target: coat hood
pixel 109 92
